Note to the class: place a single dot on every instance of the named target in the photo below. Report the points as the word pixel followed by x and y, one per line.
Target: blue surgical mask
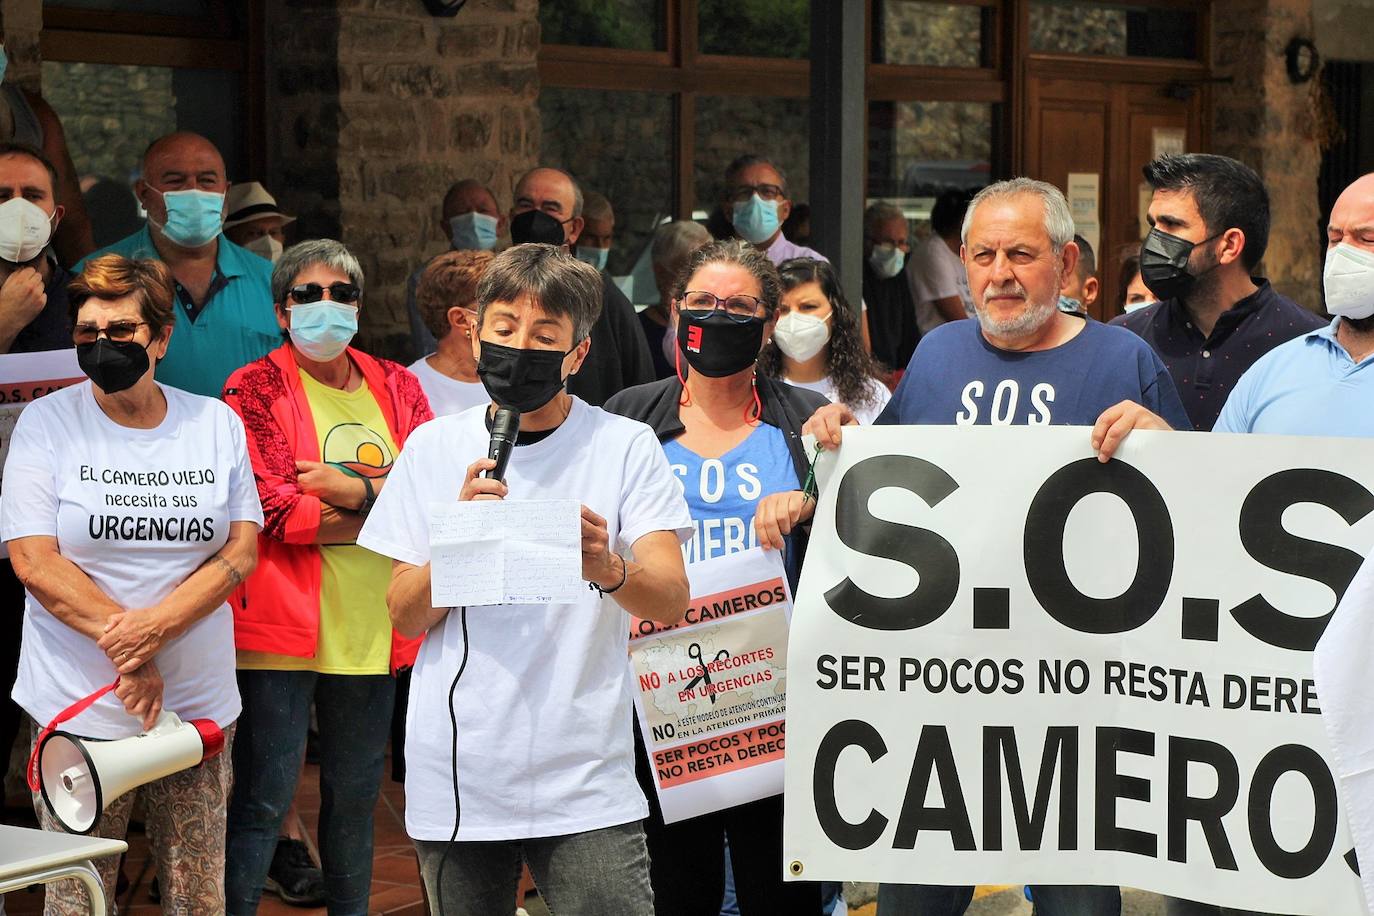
pixel 473 231
pixel 756 219
pixel 886 261
pixel 1070 305
pixel 194 217
pixel 593 256
pixel 4 63
pixel 322 330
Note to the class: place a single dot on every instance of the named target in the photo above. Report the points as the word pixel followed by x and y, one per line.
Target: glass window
pixel 918 149
pixel 730 126
pixel 111 112
pixel 928 34
pixel 631 24
pixel 755 28
pixel 618 144
pixel 1113 29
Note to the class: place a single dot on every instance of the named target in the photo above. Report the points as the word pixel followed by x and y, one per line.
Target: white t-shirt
pixel 544 709
pixel 447 395
pixel 866 414
pixel 138 511
pixel 935 272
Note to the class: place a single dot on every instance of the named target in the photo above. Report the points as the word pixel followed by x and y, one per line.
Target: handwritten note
pixel 505 552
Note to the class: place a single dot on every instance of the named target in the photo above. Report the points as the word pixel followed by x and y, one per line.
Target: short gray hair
pixel 674 243
pixel 880 212
pixel 1058 219
pixel 743 162
pixel 298 257
pixel 558 282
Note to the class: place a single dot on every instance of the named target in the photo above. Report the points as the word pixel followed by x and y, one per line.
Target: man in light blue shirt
pixel 1322 383
pixel 224 316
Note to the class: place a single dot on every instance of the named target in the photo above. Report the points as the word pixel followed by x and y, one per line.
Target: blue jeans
pixel 354 714
pixel 1050 900
pixel 603 872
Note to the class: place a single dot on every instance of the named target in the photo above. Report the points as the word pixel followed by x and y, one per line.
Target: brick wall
pixel 375 108
pixel 1265 121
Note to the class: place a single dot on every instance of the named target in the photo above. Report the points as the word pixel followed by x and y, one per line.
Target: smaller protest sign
pixel 711 691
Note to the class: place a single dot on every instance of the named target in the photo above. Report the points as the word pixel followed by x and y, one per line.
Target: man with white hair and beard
pixel 1022 363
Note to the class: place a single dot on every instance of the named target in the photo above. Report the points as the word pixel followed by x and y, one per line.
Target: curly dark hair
pixel 847 363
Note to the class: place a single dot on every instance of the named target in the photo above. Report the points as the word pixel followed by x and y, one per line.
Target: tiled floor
pixel 395 878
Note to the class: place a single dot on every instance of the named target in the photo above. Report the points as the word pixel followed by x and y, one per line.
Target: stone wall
pixel 617 143
pixel 376 108
pixel 1265 121
pixel 20 23
pixel 110 113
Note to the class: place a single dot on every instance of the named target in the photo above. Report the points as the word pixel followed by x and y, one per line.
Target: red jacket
pixel 278 608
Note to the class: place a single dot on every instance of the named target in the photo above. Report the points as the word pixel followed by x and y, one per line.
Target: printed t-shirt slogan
pixel 1015 663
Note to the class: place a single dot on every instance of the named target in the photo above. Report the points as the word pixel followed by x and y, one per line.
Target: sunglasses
pixel 117 331
pixel 346 293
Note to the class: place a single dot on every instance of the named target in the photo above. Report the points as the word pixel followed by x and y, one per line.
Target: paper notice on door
pixel 1084 194
pixel 505 552
pixel 1168 141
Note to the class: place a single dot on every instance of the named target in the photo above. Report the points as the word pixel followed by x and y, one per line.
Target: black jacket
pixel 619 357
pixel 784 406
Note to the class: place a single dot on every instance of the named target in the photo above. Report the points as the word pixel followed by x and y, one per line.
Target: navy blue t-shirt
pixel 957 378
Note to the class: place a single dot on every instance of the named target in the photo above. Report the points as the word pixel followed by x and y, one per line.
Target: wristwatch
pixel 368 499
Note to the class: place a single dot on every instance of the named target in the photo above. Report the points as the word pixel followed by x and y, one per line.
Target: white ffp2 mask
pixel 1349 281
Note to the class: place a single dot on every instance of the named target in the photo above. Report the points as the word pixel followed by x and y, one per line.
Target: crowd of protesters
pixel 282 588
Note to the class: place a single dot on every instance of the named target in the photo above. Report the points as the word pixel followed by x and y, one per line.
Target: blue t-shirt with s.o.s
pixel 722 493
pixel 957 378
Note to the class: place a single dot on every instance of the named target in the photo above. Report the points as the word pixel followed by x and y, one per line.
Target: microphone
pixel 505 426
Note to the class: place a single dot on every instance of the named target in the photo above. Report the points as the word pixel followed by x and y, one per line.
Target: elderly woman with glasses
pixel 130 515
pixel 325 421
pixel 733 436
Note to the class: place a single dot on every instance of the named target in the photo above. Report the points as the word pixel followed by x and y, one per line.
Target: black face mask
pixel 536 226
pixel 524 380
pixel 112 366
pixel 717 346
pixel 1164 264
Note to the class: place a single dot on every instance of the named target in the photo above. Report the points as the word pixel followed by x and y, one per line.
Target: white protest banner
pixel 1014 663
pixel 25 377
pixel 711 691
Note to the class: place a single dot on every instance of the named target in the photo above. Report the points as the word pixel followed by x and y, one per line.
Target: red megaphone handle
pixel 71 712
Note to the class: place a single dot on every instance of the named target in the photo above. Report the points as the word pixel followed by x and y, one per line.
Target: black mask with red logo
pixel 718 345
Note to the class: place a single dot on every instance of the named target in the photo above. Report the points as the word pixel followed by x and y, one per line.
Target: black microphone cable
pixel 457 805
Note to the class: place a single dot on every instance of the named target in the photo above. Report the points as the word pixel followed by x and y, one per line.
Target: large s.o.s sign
pixel 1014 663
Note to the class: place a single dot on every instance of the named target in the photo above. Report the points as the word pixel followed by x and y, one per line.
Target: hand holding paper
pixel 492 551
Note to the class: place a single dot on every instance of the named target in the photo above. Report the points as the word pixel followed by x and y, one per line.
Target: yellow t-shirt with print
pixel 355 630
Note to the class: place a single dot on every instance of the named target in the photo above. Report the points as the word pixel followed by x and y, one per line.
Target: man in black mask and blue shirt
pixel 542 736
pixel 1210 219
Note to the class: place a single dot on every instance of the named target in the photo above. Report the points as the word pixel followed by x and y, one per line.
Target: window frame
pixel 682 71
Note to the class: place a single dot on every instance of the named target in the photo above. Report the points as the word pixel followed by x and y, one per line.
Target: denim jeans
pixel 354 715
pixel 597 872
pixel 1050 900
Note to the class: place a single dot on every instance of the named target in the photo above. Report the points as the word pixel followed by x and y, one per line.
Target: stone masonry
pixel 1265 121
pixel 375 108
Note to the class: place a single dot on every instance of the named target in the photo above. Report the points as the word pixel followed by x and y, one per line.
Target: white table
pixel 41 857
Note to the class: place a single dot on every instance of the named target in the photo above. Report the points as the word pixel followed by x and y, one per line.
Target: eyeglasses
pixel 117 331
pixel 346 293
pixel 766 191
pixel 699 305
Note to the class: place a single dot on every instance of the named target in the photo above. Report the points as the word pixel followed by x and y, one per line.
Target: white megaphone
pixel 80 776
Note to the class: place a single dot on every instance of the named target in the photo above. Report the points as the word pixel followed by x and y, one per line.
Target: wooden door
pixel 1110 128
